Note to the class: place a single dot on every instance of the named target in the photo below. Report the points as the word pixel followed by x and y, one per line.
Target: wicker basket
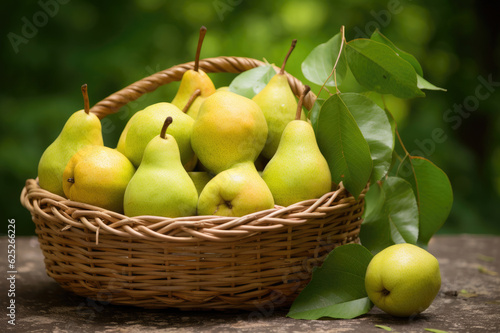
pixel 196 262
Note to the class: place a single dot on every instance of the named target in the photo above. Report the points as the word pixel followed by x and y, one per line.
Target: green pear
pixel 200 179
pixel 98 175
pixel 121 141
pixel 235 192
pixel 192 80
pixel 144 126
pixel 81 129
pixel 278 104
pixel 403 280
pixel 230 129
pixel 161 186
pixel 298 171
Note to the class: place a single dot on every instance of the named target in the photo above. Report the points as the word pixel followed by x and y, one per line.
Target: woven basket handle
pixel 114 102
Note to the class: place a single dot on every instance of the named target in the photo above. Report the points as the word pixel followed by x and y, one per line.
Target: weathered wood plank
pixel 469 301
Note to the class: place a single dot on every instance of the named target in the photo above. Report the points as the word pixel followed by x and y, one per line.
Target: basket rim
pixel 220 64
pixel 80 216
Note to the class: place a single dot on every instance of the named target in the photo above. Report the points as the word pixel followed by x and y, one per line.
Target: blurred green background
pixel 109 45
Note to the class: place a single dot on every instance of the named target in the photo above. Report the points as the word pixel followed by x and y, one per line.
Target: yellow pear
pixel 81 129
pixel 192 80
pixel 98 175
pixel 230 129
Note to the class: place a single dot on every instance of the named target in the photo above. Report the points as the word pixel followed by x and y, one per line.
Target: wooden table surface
pixel 469 300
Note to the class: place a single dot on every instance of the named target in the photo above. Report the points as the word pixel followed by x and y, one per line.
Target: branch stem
pixel 334 70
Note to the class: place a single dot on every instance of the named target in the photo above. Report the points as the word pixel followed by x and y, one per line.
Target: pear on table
pixel 146 124
pixel 230 129
pixel 192 80
pixel 161 186
pixel 298 171
pixel 81 129
pixel 237 191
pixel 403 280
pixel 278 104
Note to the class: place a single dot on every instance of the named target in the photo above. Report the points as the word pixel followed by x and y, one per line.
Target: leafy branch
pixel 334 70
pixel 405 207
pixel 406 203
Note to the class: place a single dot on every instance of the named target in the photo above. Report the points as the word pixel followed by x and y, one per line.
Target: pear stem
pixel 203 31
pixel 167 122
pixel 282 71
pixel 85 99
pixel 301 101
pixel 195 94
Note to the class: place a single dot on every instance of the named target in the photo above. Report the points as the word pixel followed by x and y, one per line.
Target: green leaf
pixel 424 84
pixel 485 258
pixel 337 288
pixel 343 145
pixel 318 65
pixel 433 191
pixel 435 330
pixel 486 271
pixel 374 201
pixel 314 113
pixel 377 67
pixel 391 217
pixel 421 82
pixel 249 83
pixel 392 121
pixel 376 128
pixel 378 37
pixel 386 328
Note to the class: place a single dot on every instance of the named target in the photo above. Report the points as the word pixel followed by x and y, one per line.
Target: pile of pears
pixel 208 152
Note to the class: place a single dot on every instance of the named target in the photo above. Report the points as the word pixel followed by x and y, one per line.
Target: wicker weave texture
pixel 195 262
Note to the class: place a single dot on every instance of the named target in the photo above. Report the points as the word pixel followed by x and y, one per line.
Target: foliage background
pixel 109 45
